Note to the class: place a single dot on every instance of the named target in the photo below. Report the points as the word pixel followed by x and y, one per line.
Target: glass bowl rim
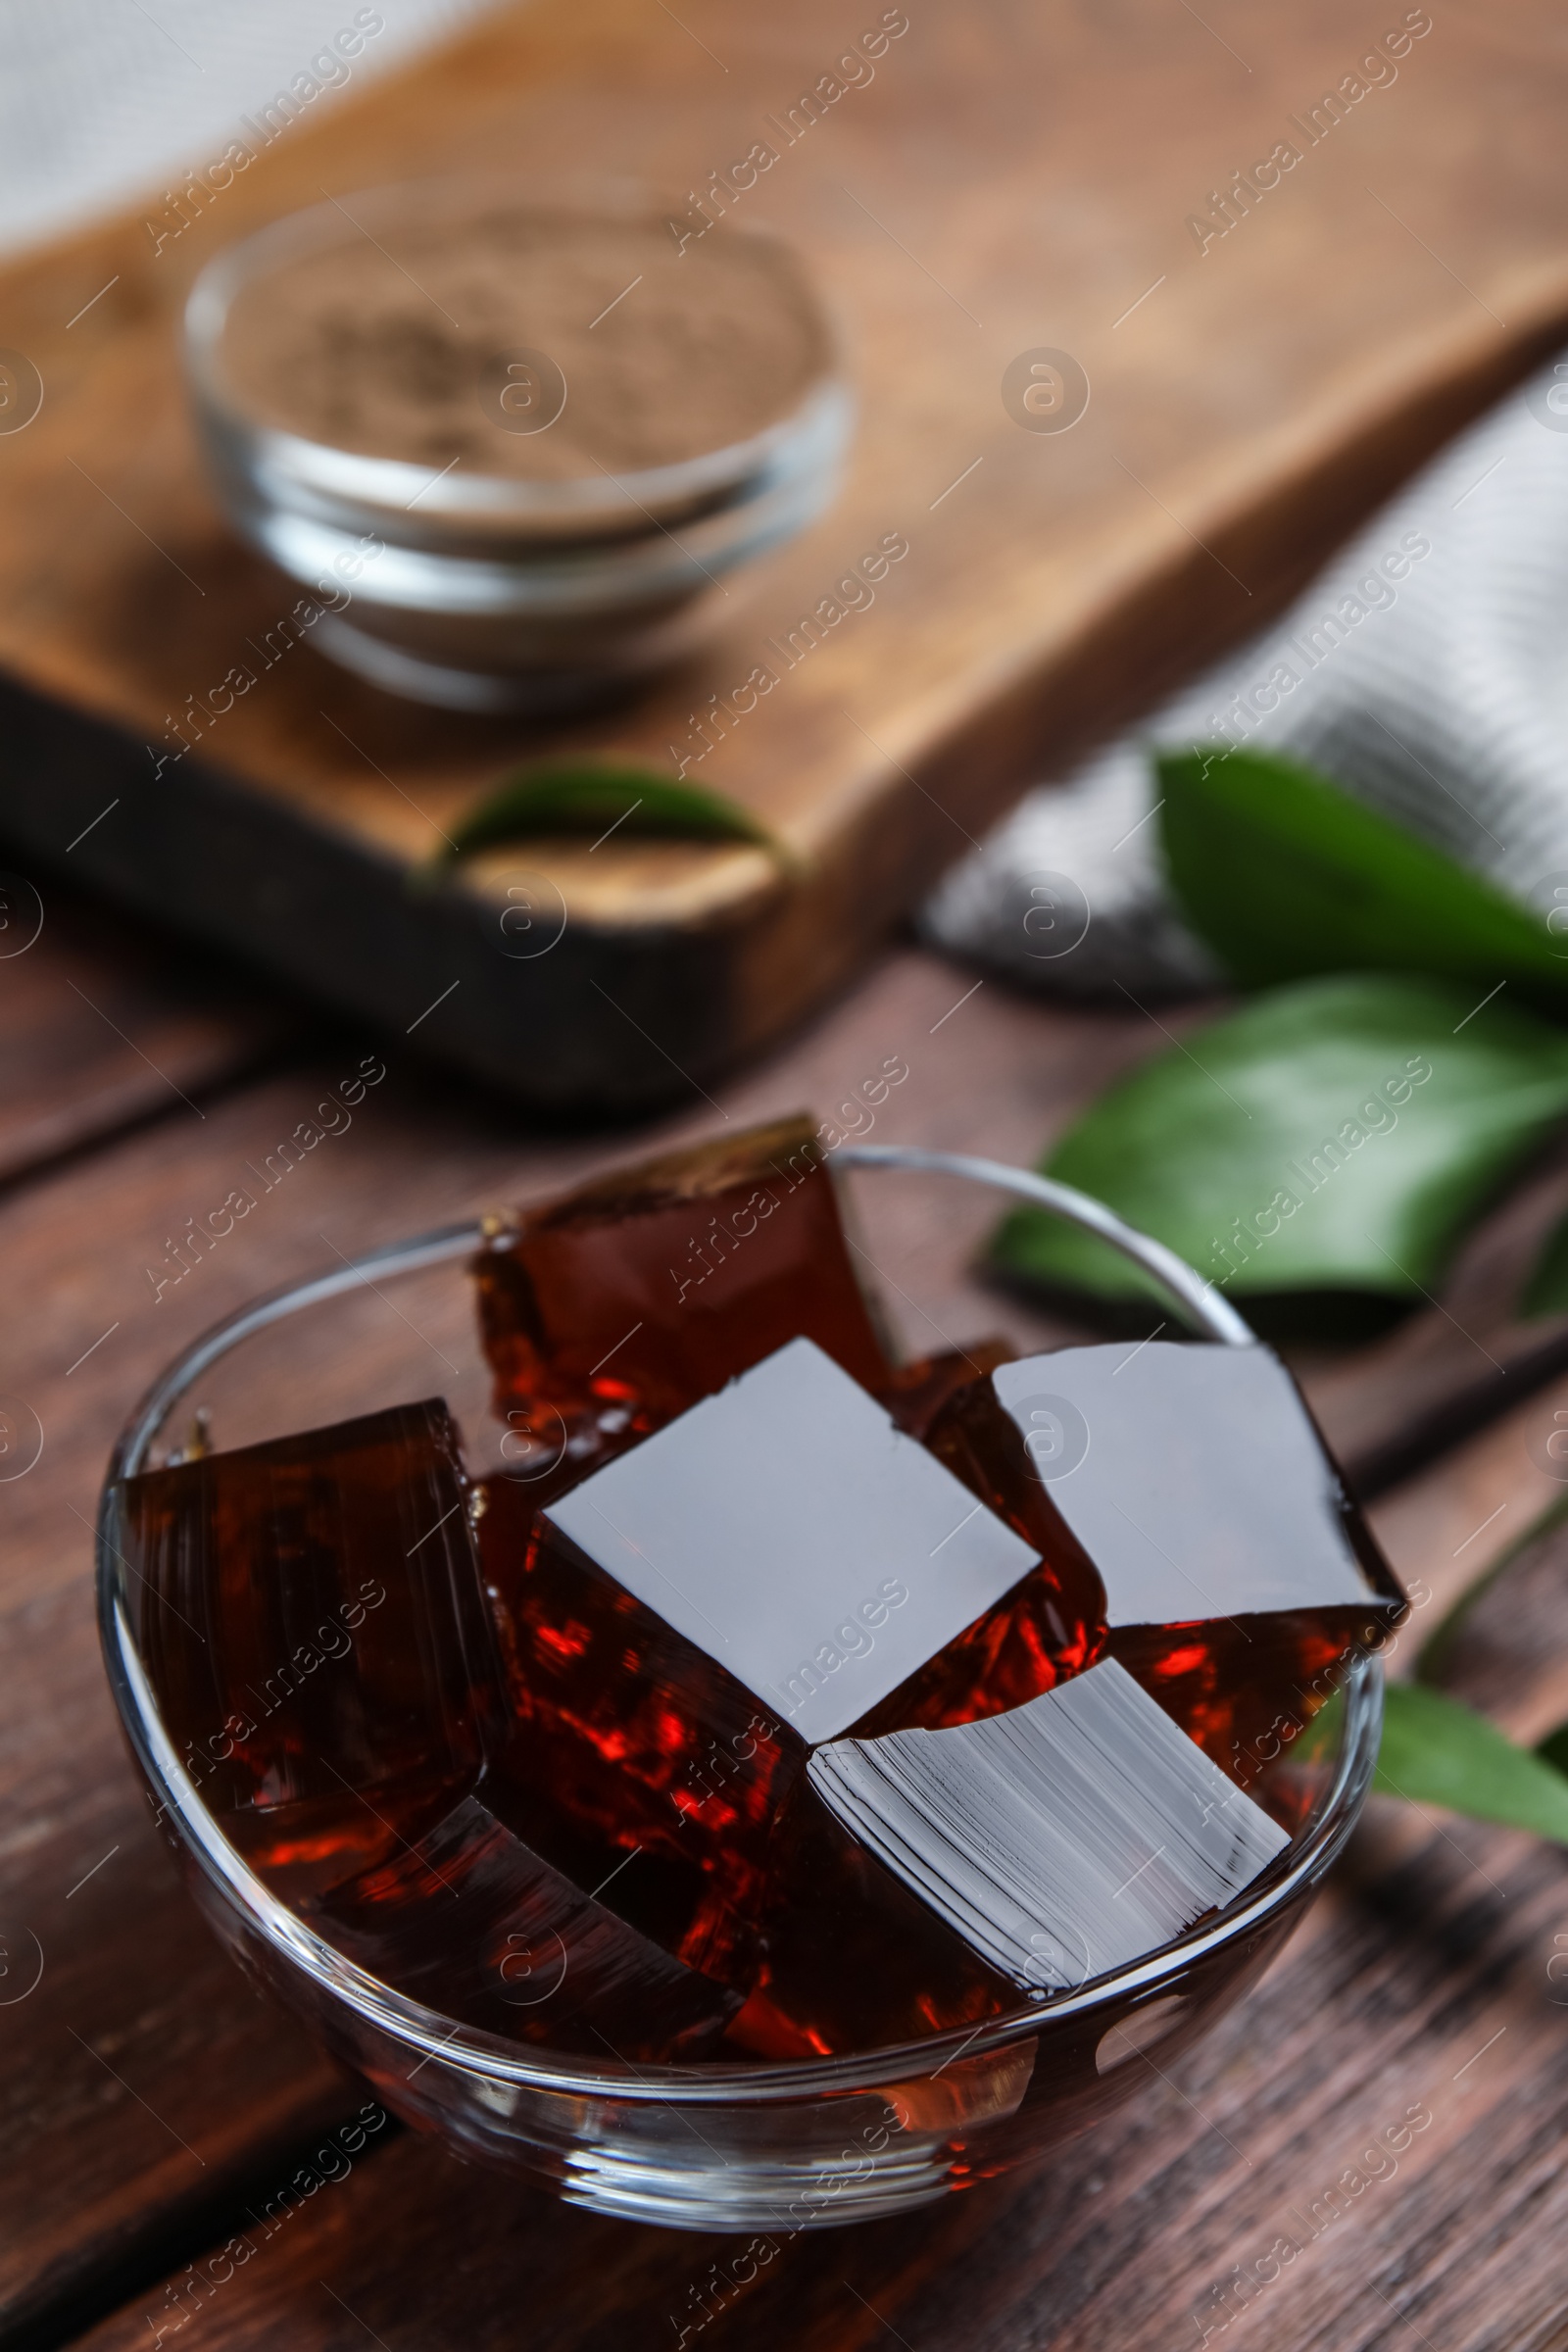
pixel 434 2035
pixel 825 410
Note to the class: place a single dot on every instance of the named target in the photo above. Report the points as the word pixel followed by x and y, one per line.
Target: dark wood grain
pixel 1390 1408
pixel 1010 180
pixel 102 1029
pixel 143 2078
pixel 108 2172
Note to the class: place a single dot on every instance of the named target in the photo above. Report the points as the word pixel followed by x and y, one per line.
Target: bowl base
pixel 482 693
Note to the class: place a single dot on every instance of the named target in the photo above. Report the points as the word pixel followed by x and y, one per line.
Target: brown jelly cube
pixel 1235 1576
pixel 477 1925
pixel 1049 1625
pixel 619 1306
pixel 1244 1686
pixel 851 1959
pixel 640 1764
pixel 631 1752
pixel 683 1625
pixel 914 1393
pixel 928 1879
pixel 629 1742
pixel 313 1622
pixel 1062 1840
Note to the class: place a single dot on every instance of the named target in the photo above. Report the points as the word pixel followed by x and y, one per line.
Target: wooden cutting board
pixel 997 179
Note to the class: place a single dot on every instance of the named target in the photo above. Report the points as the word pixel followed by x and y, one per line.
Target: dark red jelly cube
pixel 1244 1686
pixel 1170 1474
pixel 313 1624
pixel 851 1959
pixel 477 1925
pixel 1050 1625
pixel 915 1393
pixel 631 1752
pixel 647 1289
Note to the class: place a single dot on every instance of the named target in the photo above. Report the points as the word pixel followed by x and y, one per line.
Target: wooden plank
pixel 1420 1998
pixel 1437 1377
pixel 143 2078
pixel 1054 582
pixel 102 1028
pixel 101 2192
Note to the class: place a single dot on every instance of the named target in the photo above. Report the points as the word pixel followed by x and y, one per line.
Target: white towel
pixel 1426 671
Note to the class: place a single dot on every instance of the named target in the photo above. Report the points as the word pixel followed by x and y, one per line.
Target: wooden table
pixel 150 2100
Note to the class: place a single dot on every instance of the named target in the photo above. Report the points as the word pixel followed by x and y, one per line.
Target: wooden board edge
pixel 625 1020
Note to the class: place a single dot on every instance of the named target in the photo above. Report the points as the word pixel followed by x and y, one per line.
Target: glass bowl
pixel 490 592
pixel 770 2147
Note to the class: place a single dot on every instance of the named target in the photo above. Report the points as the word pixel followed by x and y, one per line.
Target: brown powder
pixel 396 346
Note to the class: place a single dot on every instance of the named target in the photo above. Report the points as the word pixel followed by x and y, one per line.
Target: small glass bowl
pixel 772 2147
pixel 485 592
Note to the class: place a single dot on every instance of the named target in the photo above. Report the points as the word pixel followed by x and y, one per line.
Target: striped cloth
pixel 1426 669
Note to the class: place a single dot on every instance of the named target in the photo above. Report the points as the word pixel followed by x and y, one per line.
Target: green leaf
pixel 1545 1293
pixel 1284 874
pixel 1437 1752
pixel 594 798
pixel 1366 1119
pixel 1553 1749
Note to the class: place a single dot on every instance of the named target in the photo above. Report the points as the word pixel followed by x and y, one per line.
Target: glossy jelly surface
pixel 311 1617
pixel 608 1313
pixel 715 1725
pixel 1233 1574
